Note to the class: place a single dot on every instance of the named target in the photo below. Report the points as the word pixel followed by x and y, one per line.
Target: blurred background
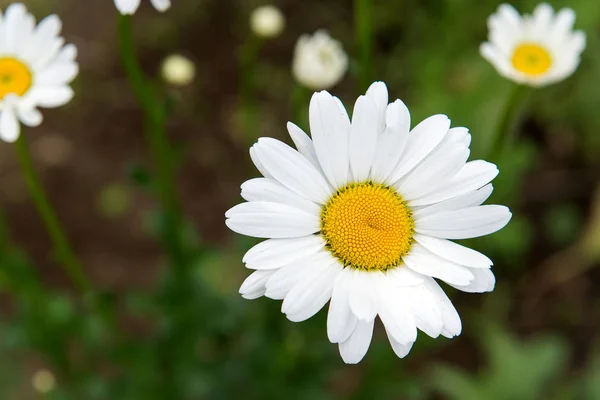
pixel 153 334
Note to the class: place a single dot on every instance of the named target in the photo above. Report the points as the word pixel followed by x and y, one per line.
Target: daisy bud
pixel 267 21
pixel 178 70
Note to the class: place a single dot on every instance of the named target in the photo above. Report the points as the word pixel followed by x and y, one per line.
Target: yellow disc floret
pixel 531 59
pixel 15 77
pixel 367 226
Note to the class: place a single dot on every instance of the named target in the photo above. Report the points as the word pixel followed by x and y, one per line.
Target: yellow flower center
pixel 531 59
pixel 15 77
pixel 367 226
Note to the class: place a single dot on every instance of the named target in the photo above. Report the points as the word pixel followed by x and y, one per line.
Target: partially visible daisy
pixel 36 69
pixel 535 50
pixel 128 7
pixel 320 61
pixel 362 215
pixel 267 21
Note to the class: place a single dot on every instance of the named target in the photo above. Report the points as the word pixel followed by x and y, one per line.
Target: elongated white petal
pixel 355 347
pixel 364 301
pixel 465 223
pixel 269 190
pixel 424 306
pixel 292 170
pixel 271 220
pixel 392 142
pixel 454 252
pixel 403 276
pixel 400 349
pixel 254 286
pixel 161 5
pixel 471 199
pixel 285 278
pixel 364 134
pixel 127 7
pixel 9 126
pixel 304 144
pixel 394 312
pixel 51 96
pixel 340 318
pixel 330 129
pixel 472 176
pixel 275 253
pixel 425 262
pixel 421 141
pixel 484 282
pixel 379 94
pixel 452 323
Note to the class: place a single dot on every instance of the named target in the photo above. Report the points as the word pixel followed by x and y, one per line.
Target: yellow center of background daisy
pixel 15 77
pixel 367 226
pixel 531 59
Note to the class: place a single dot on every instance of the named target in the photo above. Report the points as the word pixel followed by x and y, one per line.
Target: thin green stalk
pixel 63 250
pixel 160 147
pixel 505 134
pixel 364 39
pixel 300 101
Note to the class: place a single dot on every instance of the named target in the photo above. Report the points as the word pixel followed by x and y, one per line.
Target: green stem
pixel 505 135
pixel 63 250
pixel 160 147
pixel 364 31
pixel 300 101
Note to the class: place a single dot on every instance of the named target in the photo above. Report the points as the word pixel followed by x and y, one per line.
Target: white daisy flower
pixel 129 7
pixel 535 50
pixel 36 69
pixel 320 61
pixel 362 214
pixel 267 21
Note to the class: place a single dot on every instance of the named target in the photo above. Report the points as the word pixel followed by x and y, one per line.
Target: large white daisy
pixel 128 7
pixel 36 69
pixel 362 215
pixel 537 49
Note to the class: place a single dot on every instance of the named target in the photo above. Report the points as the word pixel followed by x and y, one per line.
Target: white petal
pixel 398 320
pixel 400 349
pixel 309 296
pixel 271 220
pixel 275 253
pixel 471 199
pixel 440 166
pixel 127 7
pixel 542 19
pixel 261 168
pixel 563 24
pixel 161 5
pixel 403 276
pixel 484 282
pixel 364 134
pixel 454 252
pixel 452 324
pixel 254 286
pixel 330 130
pixel 379 94
pixel 58 74
pixel 355 347
pixel 425 262
pixel 465 223
pixel 29 116
pixel 292 170
pixel 364 298
pixel 421 141
pixel 392 142
pixel 13 23
pixel 340 319
pixel 9 126
pixel 303 143
pixel 474 175
pixel 288 276
pixel 269 190
pixel 50 96
pixel 424 306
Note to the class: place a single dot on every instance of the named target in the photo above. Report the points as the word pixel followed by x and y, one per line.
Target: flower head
pixel 362 215
pixel 129 7
pixel 320 61
pixel 267 21
pixel 36 69
pixel 178 70
pixel 535 50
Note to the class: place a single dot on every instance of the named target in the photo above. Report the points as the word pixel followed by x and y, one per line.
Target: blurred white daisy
pixel 537 49
pixel 36 69
pixel 267 21
pixel 320 61
pixel 128 7
pixel 361 215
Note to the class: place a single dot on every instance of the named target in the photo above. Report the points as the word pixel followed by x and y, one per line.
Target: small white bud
pixel 178 70
pixel 267 21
